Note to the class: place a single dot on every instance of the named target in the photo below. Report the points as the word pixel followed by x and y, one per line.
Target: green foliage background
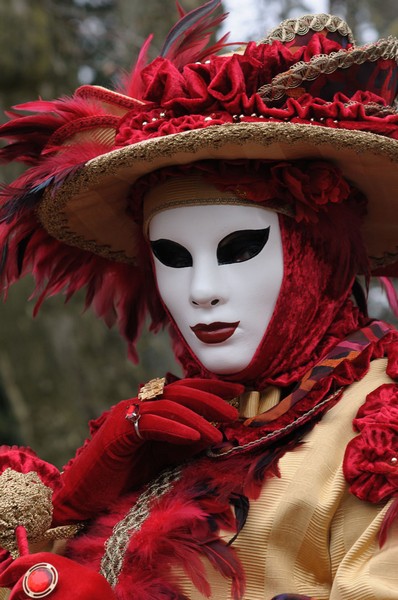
pixel 65 367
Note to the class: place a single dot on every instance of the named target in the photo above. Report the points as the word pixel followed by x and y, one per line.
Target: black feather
pixel 21 249
pixel 241 506
pixel 24 202
pixel 4 255
pixel 360 297
pixel 189 20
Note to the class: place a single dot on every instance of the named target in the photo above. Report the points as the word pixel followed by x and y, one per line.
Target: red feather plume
pixel 186 43
pixel 115 291
pixel 132 84
pixel 29 134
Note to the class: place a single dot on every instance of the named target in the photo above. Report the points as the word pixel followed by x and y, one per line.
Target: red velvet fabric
pixel 231 84
pixel 75 581
pixel 343 112
pixel 24 460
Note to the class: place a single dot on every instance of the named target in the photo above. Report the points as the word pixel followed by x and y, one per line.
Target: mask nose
pixel 206 285
pixel 213 302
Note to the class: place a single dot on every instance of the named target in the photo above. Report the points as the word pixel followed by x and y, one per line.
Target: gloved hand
pixel 122 457
pixel 75 582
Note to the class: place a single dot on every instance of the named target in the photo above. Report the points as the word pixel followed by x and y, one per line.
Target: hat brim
pixel 90 209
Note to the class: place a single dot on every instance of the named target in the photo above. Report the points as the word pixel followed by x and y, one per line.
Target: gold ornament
pixel 26 501
pixel 152 389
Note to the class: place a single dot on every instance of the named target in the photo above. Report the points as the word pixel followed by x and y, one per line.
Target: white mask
pixel 219 270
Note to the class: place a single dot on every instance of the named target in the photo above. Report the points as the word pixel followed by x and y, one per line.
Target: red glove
pixel 171 430
pixel 75 582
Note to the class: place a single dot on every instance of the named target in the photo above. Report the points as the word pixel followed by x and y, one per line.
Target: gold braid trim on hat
pixel 322 64
pixel 289 29
pixel 26 501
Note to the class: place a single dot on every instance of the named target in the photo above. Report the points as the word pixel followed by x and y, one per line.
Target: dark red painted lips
pixel 214 333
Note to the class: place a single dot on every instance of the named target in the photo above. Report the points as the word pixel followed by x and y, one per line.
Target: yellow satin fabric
pixel 306 534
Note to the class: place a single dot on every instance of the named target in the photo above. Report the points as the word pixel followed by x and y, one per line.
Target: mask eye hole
pixel 241 246
pixel 171 254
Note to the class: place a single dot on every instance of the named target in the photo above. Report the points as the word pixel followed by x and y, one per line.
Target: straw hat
pixel 305 91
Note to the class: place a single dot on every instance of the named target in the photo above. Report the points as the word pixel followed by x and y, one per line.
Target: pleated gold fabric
pixel 307 534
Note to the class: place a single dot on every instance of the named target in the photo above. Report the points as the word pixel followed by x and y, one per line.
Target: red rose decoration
pixel 371 462
pixel 162 82
pixel 311 188
pixel 326 184
pixel 371 459
pixel 230 85
pixel 381 406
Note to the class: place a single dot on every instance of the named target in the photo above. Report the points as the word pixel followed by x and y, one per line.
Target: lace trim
pixel 116 545
pixel 276 433
pixel 289 29
pixel 326 64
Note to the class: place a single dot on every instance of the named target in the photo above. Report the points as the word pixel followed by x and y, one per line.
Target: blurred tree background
pixel 65 367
